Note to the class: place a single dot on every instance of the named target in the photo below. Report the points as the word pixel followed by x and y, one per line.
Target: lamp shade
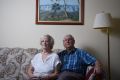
pixel 102 20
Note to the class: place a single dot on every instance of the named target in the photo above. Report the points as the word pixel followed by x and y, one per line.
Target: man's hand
pixel 98 68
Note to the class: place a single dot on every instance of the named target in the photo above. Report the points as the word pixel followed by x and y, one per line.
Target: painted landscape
pixel 59 10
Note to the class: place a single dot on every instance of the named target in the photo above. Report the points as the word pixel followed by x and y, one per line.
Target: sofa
pixel 14 63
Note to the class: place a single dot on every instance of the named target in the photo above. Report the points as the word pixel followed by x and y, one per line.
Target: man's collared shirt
pixel 76 60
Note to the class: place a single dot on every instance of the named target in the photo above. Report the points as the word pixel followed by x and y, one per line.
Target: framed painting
pixel 61 12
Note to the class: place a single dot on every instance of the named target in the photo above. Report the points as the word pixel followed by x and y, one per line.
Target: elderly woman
pixel 44 65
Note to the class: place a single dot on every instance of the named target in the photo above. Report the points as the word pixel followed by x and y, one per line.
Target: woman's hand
pixel 46 78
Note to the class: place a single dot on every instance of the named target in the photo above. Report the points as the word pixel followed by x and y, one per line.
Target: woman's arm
pixel 54 74
pixel 30 71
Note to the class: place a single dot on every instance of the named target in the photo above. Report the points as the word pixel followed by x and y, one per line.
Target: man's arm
pixel 98 68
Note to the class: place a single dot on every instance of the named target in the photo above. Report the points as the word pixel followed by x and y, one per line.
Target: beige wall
pixel 18 29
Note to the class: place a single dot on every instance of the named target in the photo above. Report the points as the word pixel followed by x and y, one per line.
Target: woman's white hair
pixel 50 38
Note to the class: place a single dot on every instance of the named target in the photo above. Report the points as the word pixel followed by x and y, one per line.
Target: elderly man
pixel 75 61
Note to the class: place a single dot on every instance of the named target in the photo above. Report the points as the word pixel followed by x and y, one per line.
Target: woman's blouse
pixel 46 67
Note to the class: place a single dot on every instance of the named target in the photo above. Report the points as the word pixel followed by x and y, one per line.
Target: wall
pixel 18 29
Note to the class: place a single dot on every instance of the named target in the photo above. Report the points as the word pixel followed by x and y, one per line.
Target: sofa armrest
pixel 92 75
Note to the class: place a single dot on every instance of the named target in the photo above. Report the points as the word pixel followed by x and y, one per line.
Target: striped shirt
pixel 76 61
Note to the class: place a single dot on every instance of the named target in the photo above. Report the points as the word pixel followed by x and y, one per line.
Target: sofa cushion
pixel 10 61
pixel 27 55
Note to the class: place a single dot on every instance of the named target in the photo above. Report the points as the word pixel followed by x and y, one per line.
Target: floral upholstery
pixel 14 62
pixel 10 61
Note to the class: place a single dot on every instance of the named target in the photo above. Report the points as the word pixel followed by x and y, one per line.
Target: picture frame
pixel 60 12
